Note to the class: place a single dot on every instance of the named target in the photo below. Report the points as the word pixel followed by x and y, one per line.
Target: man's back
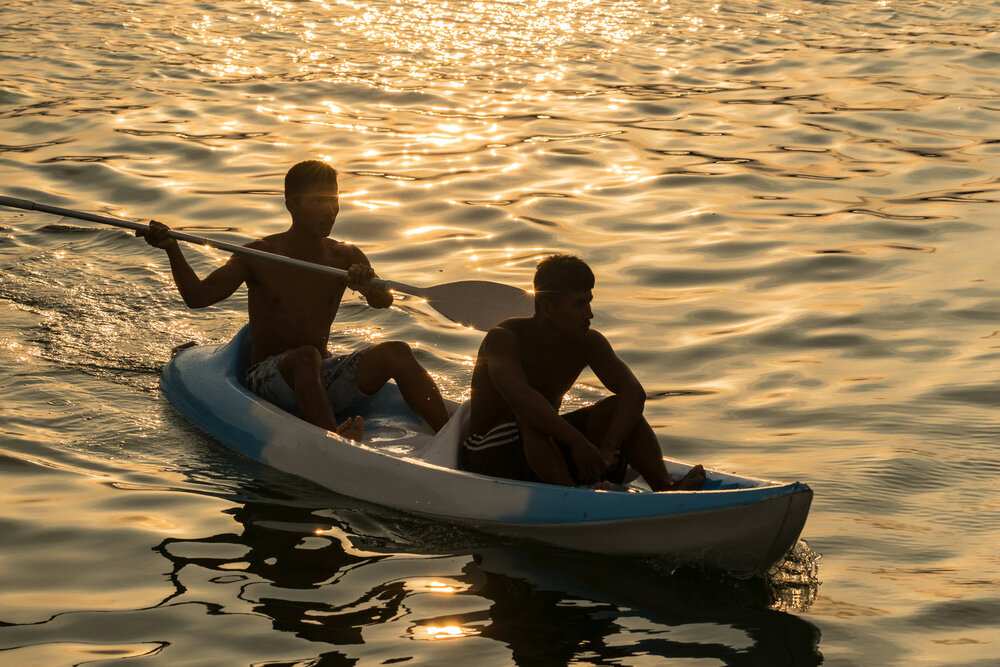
pixel 550 366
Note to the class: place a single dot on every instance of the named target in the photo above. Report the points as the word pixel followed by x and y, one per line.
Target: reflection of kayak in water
pixel 733 522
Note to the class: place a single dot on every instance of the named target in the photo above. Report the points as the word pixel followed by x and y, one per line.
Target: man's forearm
pixel 539 414
pixel 186 280
pixel 627 414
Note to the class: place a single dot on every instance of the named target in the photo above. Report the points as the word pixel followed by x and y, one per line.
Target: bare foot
pixel 352 428
pixel 692 481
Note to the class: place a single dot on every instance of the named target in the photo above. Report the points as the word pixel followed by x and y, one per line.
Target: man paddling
pixel 292 310
pixel 524 368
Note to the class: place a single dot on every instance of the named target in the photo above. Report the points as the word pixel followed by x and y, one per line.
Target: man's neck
pixel 303 235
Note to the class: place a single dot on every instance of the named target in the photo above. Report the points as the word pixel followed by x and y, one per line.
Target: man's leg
pixel 544 457
pixel 640 449
pixel 300 368
pixel 395 360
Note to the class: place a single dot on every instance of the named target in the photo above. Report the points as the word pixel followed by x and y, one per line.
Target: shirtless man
pixel 291 311
pixel 525 367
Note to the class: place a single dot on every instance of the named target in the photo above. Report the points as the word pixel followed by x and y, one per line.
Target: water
pixel 790 208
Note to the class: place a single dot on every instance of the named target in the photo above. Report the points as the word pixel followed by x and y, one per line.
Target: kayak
pixel 737 523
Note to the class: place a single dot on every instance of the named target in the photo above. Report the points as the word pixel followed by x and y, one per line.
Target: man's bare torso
pixel 290 307
pixel 551 367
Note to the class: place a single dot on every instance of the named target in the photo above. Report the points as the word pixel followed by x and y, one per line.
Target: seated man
pixel 525 367
pixel 291 311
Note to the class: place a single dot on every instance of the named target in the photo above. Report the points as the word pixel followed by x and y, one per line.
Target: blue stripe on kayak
pixel 550 504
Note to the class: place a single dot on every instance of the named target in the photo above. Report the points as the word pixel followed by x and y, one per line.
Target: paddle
pixel 475 303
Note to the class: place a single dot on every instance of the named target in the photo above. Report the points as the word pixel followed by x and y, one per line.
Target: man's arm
pixel 197 293
pixel 359 279
pixel 616 376
pixel 529 405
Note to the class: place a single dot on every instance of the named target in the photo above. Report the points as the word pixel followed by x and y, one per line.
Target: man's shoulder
pixel 271 243
pixel 597 348
pixel 513 328
pixel 595 340
pixel 503 338
pixel 280 244
pixel 342 250
pixel 344 246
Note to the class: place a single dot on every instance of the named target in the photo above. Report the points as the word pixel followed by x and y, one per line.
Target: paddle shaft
pixel 190 238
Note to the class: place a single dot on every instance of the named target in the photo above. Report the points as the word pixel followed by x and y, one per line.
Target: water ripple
pixel 788 206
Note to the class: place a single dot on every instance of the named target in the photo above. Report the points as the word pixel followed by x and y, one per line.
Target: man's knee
pixel 606 405
pixel 593 420
pixel 397 348
pixel 394 353
pixel 383 361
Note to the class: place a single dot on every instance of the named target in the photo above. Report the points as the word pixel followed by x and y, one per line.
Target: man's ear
pixel 544 305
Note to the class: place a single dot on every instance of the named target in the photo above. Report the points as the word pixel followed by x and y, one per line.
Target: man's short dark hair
pixel 308 174
pixel 558 275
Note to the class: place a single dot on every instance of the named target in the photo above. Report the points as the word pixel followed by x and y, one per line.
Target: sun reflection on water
pixel 445 632
pixel 702 169
pixel 421 39
pixel 440 587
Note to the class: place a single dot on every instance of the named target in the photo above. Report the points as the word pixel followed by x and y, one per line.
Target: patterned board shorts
pixel 336 373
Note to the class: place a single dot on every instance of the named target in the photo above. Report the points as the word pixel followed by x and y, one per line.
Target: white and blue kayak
pixel 736 523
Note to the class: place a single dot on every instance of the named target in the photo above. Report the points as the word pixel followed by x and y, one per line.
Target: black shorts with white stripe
pixel 500 452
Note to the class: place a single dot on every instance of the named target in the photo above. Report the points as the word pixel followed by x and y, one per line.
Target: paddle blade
pixel 478 303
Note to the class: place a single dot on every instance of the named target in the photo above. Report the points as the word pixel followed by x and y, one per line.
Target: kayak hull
pixel 737 523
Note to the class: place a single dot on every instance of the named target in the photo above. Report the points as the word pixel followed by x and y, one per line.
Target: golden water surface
pixel 791 210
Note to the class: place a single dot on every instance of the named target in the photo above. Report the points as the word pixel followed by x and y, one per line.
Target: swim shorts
pixel 500 453
pixel 336 374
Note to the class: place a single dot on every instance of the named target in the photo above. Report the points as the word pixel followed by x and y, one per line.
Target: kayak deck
pixel 734 522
